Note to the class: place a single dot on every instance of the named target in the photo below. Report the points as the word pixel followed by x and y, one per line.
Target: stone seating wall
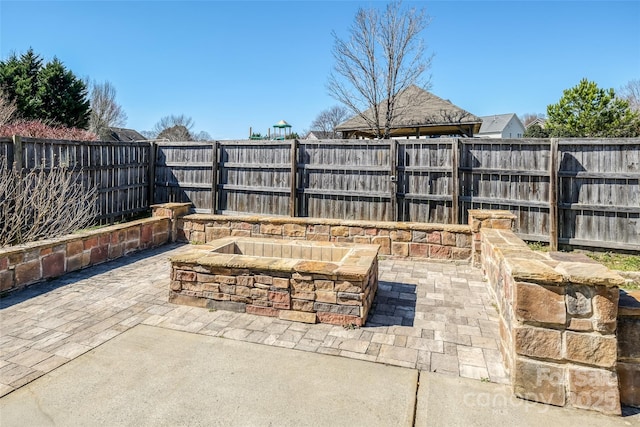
pixel 400 239
pixel 34 262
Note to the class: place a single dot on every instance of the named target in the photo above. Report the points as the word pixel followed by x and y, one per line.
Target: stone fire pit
pixel 304 281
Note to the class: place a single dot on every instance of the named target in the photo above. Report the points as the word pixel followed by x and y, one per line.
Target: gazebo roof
pixel 282 124
pixel 418 109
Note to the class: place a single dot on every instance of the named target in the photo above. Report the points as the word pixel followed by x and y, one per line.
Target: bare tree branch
pixel 7 109
pixel 631 93
pixel 383 56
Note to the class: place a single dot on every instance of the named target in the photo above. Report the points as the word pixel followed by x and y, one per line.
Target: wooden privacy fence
pixel 119 170
pixel 581 192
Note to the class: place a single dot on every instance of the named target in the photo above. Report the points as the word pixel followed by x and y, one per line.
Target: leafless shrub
pixel 40 129
pixel 7 109
pixel 42 203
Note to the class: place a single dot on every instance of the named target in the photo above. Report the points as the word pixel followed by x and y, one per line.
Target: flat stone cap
pixel 491 214
pixel 533 271
pixel 591 274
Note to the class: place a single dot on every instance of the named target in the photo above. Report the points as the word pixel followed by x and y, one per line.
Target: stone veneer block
pixel 591 349
pixel 297 316
pixel 339 319
pixel 539 381
pixel 540 343
pixel 540 304
pixel 594 389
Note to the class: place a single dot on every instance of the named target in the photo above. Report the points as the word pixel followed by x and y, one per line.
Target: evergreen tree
pixel 589 111
pixel 536 131
pixel 63 96
pixel 19 81
pixel 47 92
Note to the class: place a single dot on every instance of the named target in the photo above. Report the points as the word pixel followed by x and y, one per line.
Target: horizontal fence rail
pixel 581 192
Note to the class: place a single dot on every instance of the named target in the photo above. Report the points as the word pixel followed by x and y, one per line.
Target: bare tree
pixel 531 117
pixel 631 93
pixel 172 121
pixel 328 120
pixel 176 128
pixel 383 56
pixel 7 109
pixel 176 133
pixel 105 111
pixel 202 136
pixel 42 203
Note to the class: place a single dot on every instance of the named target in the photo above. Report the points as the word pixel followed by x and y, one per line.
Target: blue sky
pixel 232 65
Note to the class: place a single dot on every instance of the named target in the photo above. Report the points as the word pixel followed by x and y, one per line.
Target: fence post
pixel 455 181
pixel 553 195
pixel 294 178
pixel 17 153
pixel 393 179
pixel 214 177
pixel 151 171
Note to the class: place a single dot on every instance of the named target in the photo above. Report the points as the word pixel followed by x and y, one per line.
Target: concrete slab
pixel 453 401
pixel 155 376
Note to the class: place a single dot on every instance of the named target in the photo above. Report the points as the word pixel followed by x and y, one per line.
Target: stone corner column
pixel 565 340
pixel 486 218
pixel 173 211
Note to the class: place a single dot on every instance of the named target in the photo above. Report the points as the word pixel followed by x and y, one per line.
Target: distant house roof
pixel 122 135
pixel 539 121
pixel 319 134
pixel 418 112
pixel 496 123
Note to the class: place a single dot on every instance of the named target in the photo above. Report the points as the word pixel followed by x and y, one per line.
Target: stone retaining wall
pixel 34 262
pixel 402 239
pixel 558 315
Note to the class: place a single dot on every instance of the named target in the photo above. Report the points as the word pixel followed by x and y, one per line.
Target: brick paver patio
pixel 431 316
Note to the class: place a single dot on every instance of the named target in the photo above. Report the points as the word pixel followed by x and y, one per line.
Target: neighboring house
pixel 418 114
pixel 539 121
pixel 122 135
pixel 501 126
pixel 320 134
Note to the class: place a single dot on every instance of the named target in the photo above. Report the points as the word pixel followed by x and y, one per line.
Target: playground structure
pixel 281 131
